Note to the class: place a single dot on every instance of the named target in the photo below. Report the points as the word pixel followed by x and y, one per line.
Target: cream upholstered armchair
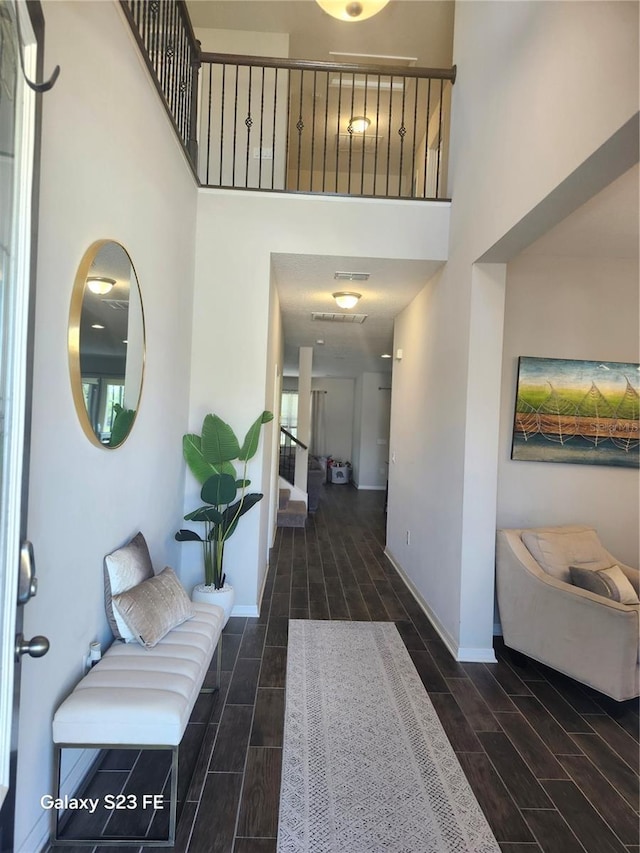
pixel 586 635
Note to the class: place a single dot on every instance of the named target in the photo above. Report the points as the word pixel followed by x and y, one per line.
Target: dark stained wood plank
pixel 300 597
pixel 374 603
pixel 232 739
pixel 551 831
pixel 255 845
pixel 617 813
pixel 586 824
pixel 613 768
pixel 278 631
pixel 282 584
pixel 258 817
pixel 148 776
pixel 235 625
pixel 392 604
pixel 519 847
pixel 488 687
pixel 507 679
pixel 252 640
pixel 570 720
pixel 215 822
pixel 355 602
pixel 337 604
pixel 473 705
pixel 280 604
pixel 445 661
pixel 299 613
pixel 429 673
pixel 230 648
pixel 244 681
pixel 274 667
pixel 551 732
pixel 410 636
pixel 573 693
pixel 202 764
pixel 502 813
pixel 518 779
pixel 540 760
pixel 268 721
pixel 617 738
pixel 454 722
pixel 81 824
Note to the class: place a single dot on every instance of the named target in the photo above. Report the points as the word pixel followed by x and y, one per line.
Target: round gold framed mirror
pixel 106 343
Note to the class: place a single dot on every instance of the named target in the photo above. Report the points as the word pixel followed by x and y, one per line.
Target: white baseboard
pixel 245 610
pixel 460 653
pixel 370 488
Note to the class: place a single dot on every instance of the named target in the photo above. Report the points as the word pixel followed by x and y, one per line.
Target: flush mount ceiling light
pixel 358 124
pixel 346 299
pixel 100 284
pixel 352 10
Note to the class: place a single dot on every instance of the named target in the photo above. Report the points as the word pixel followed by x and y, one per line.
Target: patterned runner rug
pixel 367 766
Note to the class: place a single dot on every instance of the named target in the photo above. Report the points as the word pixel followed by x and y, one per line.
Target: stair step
pixel 283 498
pixel 294 515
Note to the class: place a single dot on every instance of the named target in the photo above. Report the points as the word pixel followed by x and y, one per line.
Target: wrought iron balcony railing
pixel 284 125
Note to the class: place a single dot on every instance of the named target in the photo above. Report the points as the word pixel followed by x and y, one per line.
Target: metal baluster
pixel 350 131
pixel 402 132
pixel 288 132
pixel 249 123
pixel 364 134
pixel 389 135
pixel 300 128
pixel 439 141
pixel 375 159
pixel 235 128
pixel 208 170
pixel 273 140
pixel 426 140
pixel 326 126
pixel 224 78
pixel 415 130
pixel 338 129
pixel 313 131
pixel 261 128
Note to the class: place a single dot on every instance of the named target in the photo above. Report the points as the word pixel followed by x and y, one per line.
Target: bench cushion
pixel 140 696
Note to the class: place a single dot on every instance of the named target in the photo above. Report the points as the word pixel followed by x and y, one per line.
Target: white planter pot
pixel 224 597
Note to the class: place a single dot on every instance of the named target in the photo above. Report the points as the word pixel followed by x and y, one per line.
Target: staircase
pixel 290 513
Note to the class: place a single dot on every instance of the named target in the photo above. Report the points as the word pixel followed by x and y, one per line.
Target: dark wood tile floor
pixel 553 764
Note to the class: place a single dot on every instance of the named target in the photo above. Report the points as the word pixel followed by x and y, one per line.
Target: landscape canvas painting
pixel 585 412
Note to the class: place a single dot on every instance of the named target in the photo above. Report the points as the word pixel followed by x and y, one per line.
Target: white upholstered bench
pixel 138 698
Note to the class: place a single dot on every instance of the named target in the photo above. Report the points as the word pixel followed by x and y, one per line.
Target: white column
pixel 304 416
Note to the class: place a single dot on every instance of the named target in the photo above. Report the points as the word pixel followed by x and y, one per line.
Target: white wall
pixel 236 235
pixel 577 309
pixel 529 75
pixel 111 168
pixel 338 407
pixel 371 431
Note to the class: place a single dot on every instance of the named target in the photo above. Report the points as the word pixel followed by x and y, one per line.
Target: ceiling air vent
pixel 330 317
pixel 352 276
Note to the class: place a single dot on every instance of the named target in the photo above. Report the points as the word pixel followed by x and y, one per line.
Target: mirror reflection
pixel 106 343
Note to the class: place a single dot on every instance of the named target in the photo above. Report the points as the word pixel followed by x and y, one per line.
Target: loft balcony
pixel 283 125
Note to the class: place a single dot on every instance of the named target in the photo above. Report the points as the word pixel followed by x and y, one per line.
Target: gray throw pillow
pixel 125 568
pixel 612 583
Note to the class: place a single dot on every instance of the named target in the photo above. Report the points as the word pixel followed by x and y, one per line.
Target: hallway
pixel 553 764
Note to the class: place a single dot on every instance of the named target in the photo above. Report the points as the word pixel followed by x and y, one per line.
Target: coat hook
pixel 37 87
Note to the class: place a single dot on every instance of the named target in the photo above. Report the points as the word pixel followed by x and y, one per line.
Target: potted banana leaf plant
pixel 211 457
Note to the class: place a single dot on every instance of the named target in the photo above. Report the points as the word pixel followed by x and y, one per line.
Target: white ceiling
pixel 305 284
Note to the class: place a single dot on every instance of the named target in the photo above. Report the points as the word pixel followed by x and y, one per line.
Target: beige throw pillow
pixel 154 607
pixel 125 568
pixel 611 583
pixel 556 550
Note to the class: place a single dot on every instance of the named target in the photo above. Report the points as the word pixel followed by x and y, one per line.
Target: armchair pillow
pixel 611 583
pixel 125 568
pixel 556 550
pixel 155 606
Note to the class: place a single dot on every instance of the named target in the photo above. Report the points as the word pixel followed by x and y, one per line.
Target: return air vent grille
pixel 331 317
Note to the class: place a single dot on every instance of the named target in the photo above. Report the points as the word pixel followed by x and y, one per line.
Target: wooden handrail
pixel 318 65
pixel 293 438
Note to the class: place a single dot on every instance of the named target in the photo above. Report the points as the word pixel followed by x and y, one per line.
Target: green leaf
pixel 233 513
pixel 219 490
pixel 242 484
pixel 121 425
pixel 192 452
pixel 205 513
pixel 252 437
pixel 219 443
pixel 187 536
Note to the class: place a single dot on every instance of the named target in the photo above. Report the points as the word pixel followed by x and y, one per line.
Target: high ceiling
pixel 422 34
